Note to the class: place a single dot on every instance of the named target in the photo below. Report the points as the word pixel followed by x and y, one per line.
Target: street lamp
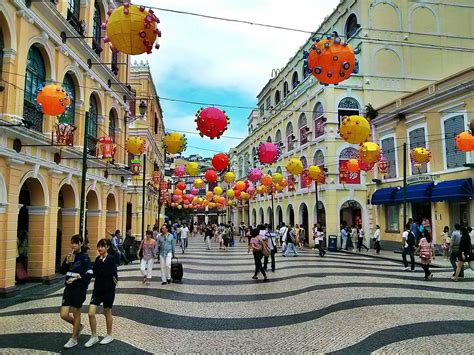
pixel 142 108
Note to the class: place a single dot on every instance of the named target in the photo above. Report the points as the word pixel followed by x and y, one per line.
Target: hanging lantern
pixel 181 185
pixel 278 188
pixel 369 152
pixel 218 190
pixel 229 177
pixel 135 145
pixel 266 180
pixel 211 122
pixel 314 172
pixel 65 133
pixel 52 100
pixel 260 189
pixel 209 195
pixel 132 30
pixel 240 185
pixel 383 165
pixel 220 161
pixel 136 166
pixel 254 174
pixel 192 168
pixel 230 193
pixel 180 170
pixel 174 142
pixel 352 165
pixel 465 141
pixel 268 153
pixel 276 178
pixel 354 129
pixel 237 193
pixel 294 166
pixel 198 183
pixel 362 166
pixel 106 148
pixel 291 183
pixel 420 156
pixel 330 60
pixel 210 176
pixel 178 191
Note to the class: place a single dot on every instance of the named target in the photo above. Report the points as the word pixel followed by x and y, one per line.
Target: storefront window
pixel 391 218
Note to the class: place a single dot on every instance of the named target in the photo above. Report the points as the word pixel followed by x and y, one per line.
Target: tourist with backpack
pixel 290 242
pixel 427 253
pixel 408 240
pixel 270 238
pixel 256 246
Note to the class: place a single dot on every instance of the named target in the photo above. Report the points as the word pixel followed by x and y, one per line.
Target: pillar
pixel 70 227
pixel 38 243
pixel 95 232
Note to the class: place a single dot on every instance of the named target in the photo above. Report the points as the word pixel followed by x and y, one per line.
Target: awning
pixel 384 196
pixel 415 193
pixel 453 190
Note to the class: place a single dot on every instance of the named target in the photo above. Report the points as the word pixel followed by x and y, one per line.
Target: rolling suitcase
pixel 176 270
pixel 20 273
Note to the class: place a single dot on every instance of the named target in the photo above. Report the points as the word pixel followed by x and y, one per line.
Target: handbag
pixel 140 250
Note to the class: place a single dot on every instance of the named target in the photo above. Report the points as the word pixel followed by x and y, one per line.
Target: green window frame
pixel 69 115
pixel 97 22
pixel 392 223
pixel 112 124
pixel 35 74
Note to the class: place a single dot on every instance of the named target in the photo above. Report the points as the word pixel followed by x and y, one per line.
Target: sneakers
pixel 406 269
pixel 107 340
pixel 70 344
pixel 92 341
pixel 164 283
pixel 168 280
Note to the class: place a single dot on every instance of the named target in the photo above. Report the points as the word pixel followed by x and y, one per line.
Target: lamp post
pixel 142 109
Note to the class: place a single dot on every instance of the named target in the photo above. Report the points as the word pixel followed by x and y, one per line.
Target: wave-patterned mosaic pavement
pixel 342 303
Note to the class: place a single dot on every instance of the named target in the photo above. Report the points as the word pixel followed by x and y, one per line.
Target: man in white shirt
pixel 283 234
pixel 184 237
pixel 269 236
pixel 408 240
pixel 377 239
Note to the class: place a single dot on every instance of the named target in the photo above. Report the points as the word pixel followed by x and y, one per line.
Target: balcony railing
pixel 91 145
pixel 77 24
pixel 33 116
pixel 96 46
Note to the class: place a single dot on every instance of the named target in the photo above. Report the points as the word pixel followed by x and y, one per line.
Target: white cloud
pixel 219 54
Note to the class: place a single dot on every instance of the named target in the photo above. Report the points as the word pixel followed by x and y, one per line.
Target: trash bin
pixel 332 243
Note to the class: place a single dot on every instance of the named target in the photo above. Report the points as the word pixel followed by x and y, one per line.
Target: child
pixel 77 268
pixel 105 274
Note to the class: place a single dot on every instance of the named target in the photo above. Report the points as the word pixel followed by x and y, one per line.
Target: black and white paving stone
pixel 342 303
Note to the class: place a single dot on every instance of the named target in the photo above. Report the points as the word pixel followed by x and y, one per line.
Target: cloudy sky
pixel 218 62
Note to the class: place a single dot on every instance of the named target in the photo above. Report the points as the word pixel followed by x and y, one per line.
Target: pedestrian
pixel 454 255
pixel 248 234
pixel 208 233
pixel 464 253
pixel 427 253
pixel 226 234
pixel 360 238
pixel 297 235
pixel 283 235
pixel 128 246
pixel 256 246
pixel 354 236
pixel 219 237
pixel 184 237
pixel 165 247
pixel 446 242
pixel 270 238
pixel 377 239
pixel 319 242
pixel 242 229
pixel 77 268
pixel 118 249
pixel 302 237
pixel 409 241
pixel 106 278
pixel 146 252
pixel 344 238
pixel 290 242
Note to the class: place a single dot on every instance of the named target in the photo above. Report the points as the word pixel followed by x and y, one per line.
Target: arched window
pixel 347 107
pixel 318 120
pixel 112 123
pixel 254 157
pixel 241 167
pixel 351 26
pixel 452 127
pixel 35 76
pixel 246 163
pixel 277 97
pixel 92 126
pixel 305 181
pixel 294 80
pixel 285 89
pixel 1 53
pixel 346 177
pixel 74 7
pixel 269 139
pixel 96 29
pixel 304 71
pixel 279 170
pixel 290 137
pixel 70 87
pixel 318 160
pixel 303 128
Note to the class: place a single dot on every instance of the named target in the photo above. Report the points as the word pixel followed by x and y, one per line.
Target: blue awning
pixel 453 190
pixel 415 193
pixel 384 196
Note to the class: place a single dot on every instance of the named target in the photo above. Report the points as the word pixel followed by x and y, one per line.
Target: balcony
pixel 77 24
pixel 96 46
pixel 91 145
pixel 33 116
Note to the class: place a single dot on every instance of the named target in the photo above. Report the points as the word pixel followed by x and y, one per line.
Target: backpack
pixel 411 239
pixel 265 248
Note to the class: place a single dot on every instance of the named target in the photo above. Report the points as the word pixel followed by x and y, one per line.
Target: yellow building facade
pixel 400 46
pixel 440 193
pixel 149 126
pixel 43 42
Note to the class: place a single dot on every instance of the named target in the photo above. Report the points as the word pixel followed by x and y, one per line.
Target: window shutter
pixel 452 127
pixel 388 147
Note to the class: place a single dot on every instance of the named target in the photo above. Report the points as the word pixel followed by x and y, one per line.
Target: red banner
pixel 346 176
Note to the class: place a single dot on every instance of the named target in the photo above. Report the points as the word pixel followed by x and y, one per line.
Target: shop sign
pixel 415 179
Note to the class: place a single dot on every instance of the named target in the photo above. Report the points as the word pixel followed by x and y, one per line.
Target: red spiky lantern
pixel 211 122
pixel 210 176
pixel 268 153
pixel 220 161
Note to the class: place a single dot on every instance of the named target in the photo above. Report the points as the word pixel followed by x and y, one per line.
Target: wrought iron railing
pixel 33 116
pixel 91 145
pixel 75 23
pixel 96 46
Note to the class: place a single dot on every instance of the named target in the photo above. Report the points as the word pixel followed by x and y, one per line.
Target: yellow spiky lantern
pixel 369 152
pixel 294 166
pixel 354 129
pixel 174 142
